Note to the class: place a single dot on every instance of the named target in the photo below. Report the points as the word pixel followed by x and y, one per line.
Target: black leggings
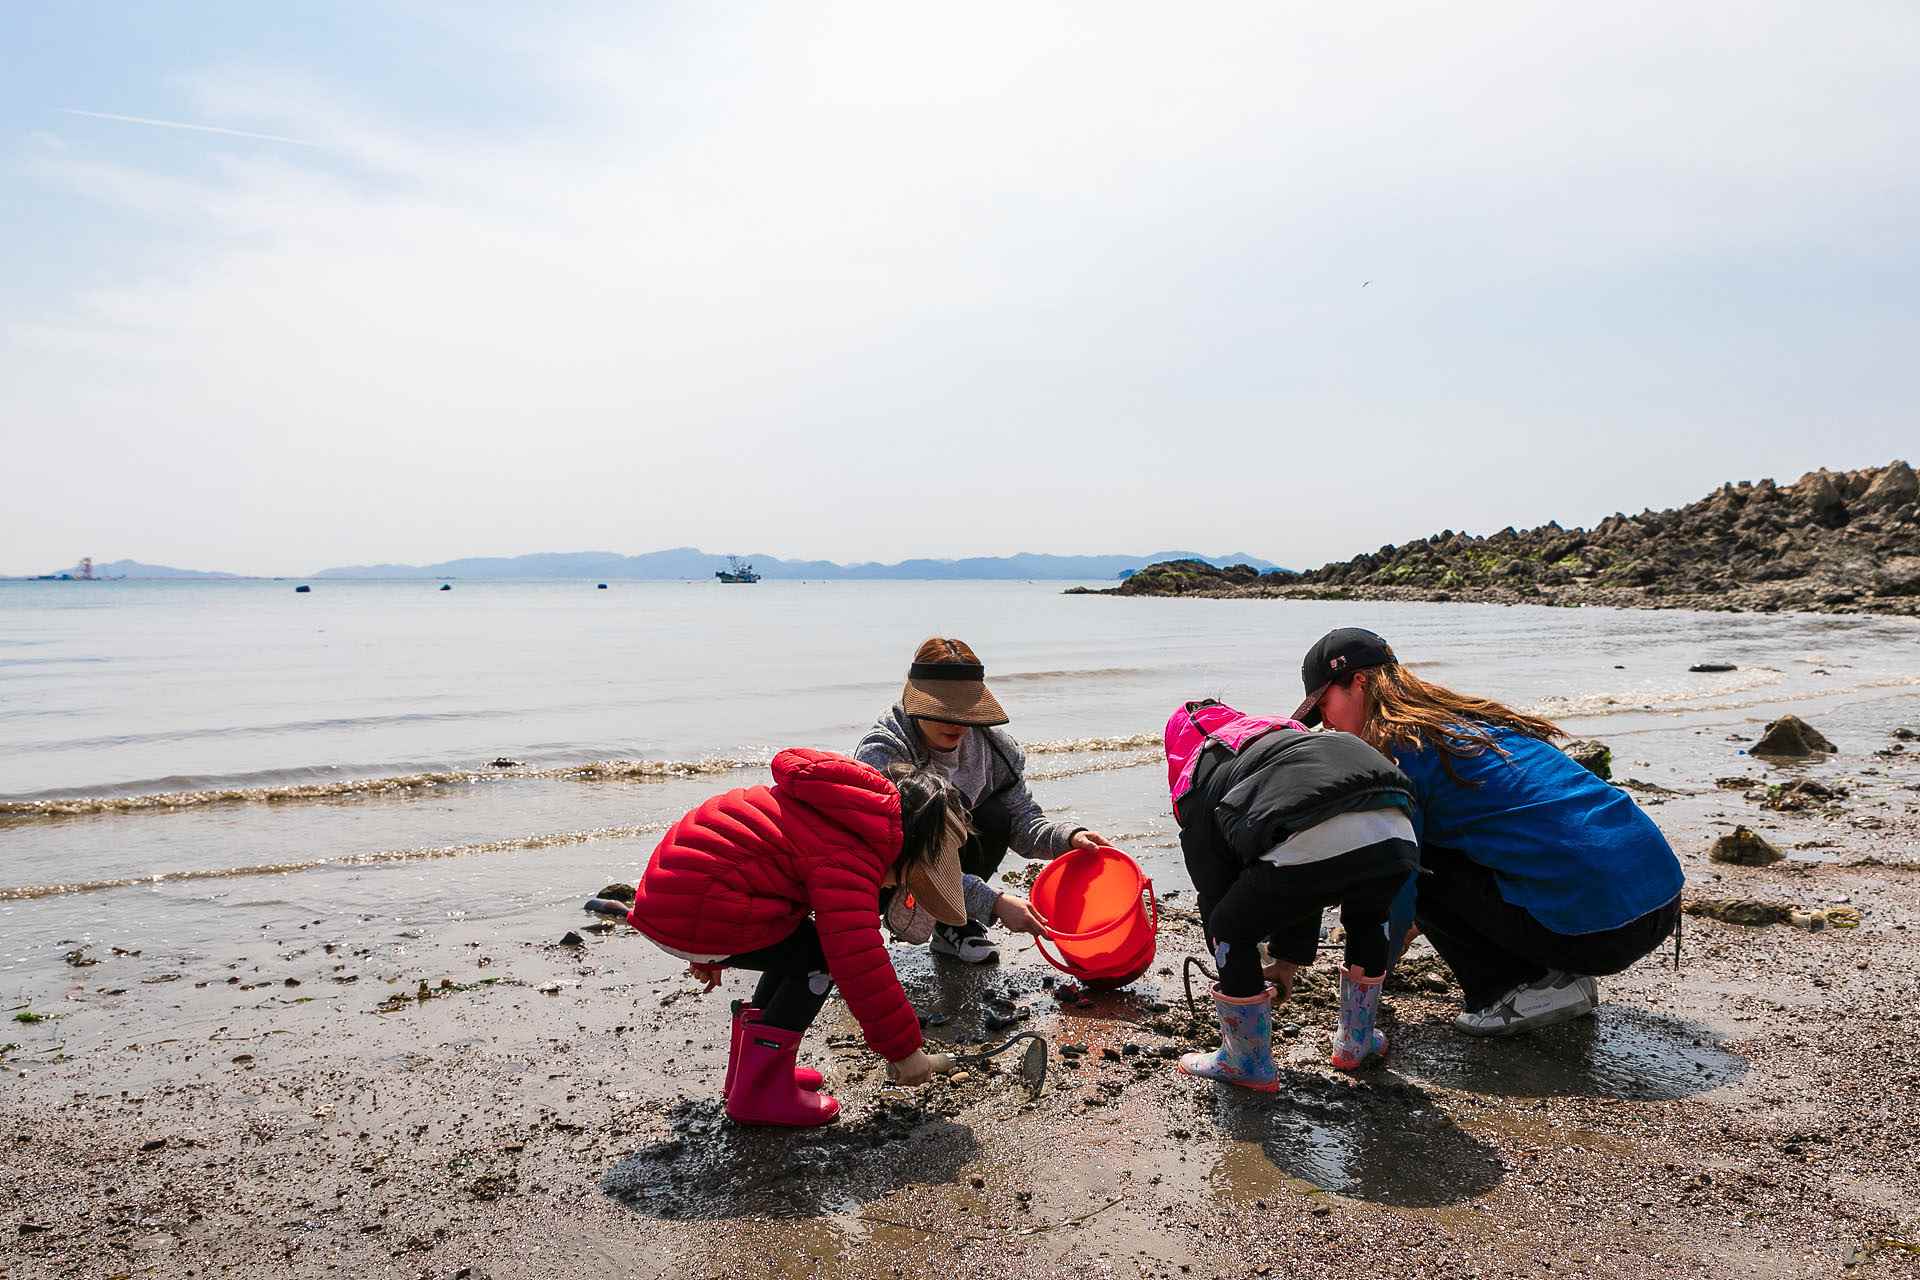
pixel 1283 904
pixel 793 982
pixel 1493 946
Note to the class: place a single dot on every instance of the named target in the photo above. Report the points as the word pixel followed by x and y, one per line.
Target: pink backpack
pixel 1197 725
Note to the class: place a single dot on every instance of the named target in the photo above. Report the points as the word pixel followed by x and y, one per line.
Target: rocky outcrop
pixel 1831 542
pixel 1183 578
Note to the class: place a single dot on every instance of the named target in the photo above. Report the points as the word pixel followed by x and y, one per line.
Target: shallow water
pixel 1624 1053
pixel 1353 1142
pixel 178 761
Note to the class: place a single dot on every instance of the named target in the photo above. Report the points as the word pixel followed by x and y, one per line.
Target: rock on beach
pixel 1744 848
pixel 1792 737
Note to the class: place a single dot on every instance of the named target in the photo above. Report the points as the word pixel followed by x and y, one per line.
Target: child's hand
pixel 919 1067
pixel 1017 914
pixel 1089 840
pixel 707 973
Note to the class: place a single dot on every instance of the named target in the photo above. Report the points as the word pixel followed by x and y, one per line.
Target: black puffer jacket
pixel 1242 805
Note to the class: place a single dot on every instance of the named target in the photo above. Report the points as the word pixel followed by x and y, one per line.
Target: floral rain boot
pixel 1357 1041
pixel 1245 1056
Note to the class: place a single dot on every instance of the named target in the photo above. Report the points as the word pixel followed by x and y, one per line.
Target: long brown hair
pixel 1407 713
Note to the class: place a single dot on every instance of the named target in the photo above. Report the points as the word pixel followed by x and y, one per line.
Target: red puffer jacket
pixel 745 868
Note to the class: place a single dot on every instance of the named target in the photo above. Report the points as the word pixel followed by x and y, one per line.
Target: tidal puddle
pixel 1386 1143
pixel 1618 1053
pixel 712 1168
pixel 964 1004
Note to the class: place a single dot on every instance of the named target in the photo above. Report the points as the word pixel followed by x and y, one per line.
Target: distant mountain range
pixel 693 563
pixel 135 569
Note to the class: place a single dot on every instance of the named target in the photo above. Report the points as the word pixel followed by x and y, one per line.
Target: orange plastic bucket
pixel 1101 913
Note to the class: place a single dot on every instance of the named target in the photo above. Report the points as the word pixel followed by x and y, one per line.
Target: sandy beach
pixel 485 1101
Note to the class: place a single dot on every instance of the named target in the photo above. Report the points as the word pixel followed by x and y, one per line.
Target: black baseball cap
pixel 1338 653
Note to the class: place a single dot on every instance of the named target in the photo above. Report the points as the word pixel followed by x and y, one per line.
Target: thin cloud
pixel 196 128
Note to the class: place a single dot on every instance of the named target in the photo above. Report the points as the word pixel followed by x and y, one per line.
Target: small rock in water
pixel 1792 738
pixel 1713 667
pixel 1592 754
pixel 620 892
pixel 502 762
pixel 1744 848
pixel 572 939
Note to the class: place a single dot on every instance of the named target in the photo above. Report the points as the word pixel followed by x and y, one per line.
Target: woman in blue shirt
pixel 1538 876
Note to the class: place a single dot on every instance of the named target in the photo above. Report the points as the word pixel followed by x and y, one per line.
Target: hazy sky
pixel 871 280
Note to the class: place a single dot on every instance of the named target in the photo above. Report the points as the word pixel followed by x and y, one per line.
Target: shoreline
pixel 1745 601
pixel 340 1094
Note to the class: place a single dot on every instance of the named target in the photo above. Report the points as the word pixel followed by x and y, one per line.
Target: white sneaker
pixel 1557 997
pixel 967 943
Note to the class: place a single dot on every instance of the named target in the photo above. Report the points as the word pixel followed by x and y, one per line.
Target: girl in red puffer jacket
pixel 790 880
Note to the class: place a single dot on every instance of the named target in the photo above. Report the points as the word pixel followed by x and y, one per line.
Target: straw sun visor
pixel 936 886
pixel 948 682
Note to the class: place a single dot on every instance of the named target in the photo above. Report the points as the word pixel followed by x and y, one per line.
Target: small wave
pixel 1085 673
pixel 260 730
pixel 350 788
pixel 384 857
pixel 1095 766
pixel 1677 703
pixel 1569 706
pixel 1071 746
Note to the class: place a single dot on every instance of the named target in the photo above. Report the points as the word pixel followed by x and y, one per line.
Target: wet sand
pixel 483 1101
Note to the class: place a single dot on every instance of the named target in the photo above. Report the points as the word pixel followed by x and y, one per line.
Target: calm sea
pixel 181 760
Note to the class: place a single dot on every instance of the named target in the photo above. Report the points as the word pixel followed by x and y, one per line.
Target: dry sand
pixel 548 1110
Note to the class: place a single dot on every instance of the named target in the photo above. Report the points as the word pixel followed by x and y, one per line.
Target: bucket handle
pixel 1048 957
pixel 1153 904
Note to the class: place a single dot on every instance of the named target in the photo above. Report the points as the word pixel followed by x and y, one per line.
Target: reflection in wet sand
pixel 1385 1142
pixel 1618 1053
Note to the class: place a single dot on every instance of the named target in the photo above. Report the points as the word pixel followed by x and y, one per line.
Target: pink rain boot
pixel 805 1077
pixel 764 1091
pixel 1357 1041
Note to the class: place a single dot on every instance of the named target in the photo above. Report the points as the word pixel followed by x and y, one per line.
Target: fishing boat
pixel 737 570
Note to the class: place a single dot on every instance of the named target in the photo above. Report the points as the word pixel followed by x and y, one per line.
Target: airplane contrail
pixel 196 128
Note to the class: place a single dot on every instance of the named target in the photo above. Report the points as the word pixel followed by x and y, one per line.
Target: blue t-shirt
pixel 1574 851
